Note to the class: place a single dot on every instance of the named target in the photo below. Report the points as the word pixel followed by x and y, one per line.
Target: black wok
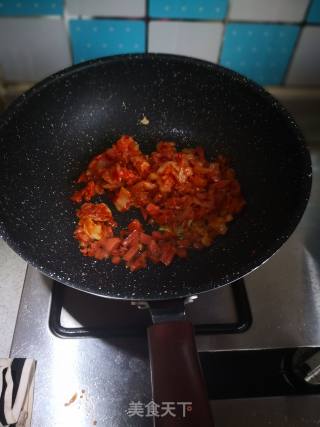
pixel 48 135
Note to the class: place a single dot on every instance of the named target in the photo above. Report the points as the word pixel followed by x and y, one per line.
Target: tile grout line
pixel 147 23
pixel 66 19
pixel 225 23
pixel 302 26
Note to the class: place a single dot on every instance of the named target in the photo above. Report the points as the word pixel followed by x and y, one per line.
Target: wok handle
pixel 176 375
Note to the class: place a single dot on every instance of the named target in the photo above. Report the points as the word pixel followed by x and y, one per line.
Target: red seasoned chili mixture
pixel 187 199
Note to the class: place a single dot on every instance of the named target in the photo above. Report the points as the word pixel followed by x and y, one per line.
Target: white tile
pixel 305 66
pixel 33 48
pixel 268 10
pixel 199 40
pixel 12 272
pixel 132 8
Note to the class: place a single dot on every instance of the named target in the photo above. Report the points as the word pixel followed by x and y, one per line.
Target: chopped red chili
pixel 187 199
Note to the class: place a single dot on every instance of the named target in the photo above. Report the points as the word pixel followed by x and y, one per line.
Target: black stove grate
pixel 124 320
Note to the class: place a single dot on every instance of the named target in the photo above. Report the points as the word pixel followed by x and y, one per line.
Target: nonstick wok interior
pixel 48 136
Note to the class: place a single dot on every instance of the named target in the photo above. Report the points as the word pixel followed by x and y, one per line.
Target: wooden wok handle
pixel 177 376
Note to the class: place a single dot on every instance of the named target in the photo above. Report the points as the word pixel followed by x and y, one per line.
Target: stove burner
pixel 223 311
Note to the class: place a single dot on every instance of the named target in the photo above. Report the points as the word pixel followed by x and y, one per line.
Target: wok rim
pixel 246 269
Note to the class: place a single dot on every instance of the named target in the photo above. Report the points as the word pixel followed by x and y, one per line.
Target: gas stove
pixel 258 342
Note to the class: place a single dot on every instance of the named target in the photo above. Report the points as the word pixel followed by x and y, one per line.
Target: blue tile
pixel 94 38
pixel 188 9
pixel 30 8
pixel 314 12
pixel 259 51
